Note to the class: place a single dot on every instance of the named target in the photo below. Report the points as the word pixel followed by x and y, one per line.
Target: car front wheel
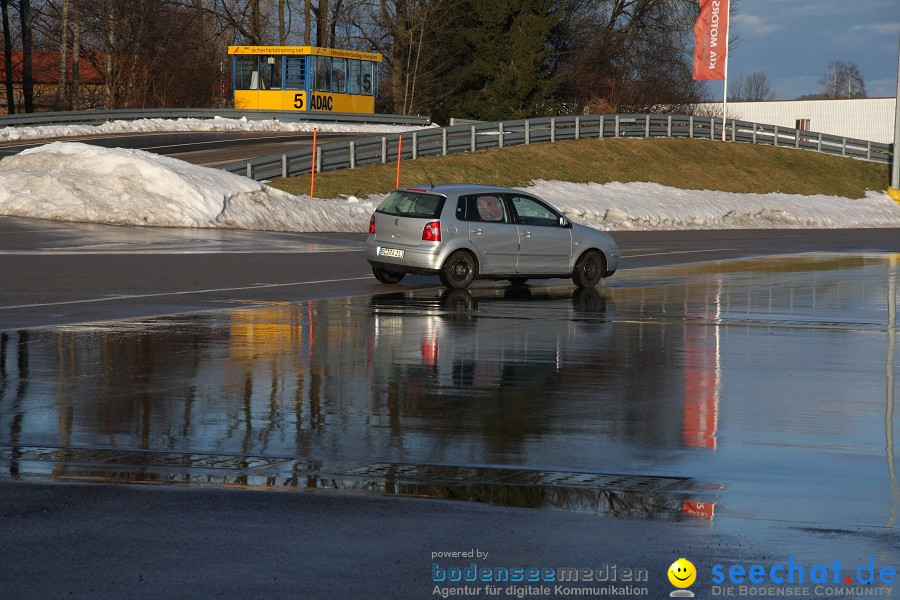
pixel 589 269
pixel 459 270
pixel 386 276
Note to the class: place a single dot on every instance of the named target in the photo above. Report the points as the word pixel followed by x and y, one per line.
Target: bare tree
pixel 419 42
pixel 27 47
pixel 74 103
pixel 307 23
pixel 63 58
pixel 244 19
pixel 843 80
pixel 7 58
pixel 627 55
pixel 755 87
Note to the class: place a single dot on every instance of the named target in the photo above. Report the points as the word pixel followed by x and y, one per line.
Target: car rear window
pixel 412 204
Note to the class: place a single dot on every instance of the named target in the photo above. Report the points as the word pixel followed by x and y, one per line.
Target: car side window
pixel 485 208
pixel 461 212
pixel 530 211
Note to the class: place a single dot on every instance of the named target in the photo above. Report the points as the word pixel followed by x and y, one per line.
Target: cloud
pixel 879 29
pixel 826 8
pixel 755 26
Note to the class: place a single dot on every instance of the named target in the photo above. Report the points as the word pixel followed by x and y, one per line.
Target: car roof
pixel 457 188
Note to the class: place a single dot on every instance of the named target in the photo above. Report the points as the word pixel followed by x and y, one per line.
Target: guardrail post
pixel 754 132
pixel 249 170
pixel 472 141
pixel 602 126
pixel 691 126
pixel 284 172
pixel 552 129
pixel 318 160
pixel 617 126
pixel 820 143
pixel 776 136
pixel 383 150
pixel 669 127
pixel 577 128
pixel 527 132
pixel 843 146
pixel 646 126
pixel 733 131
pixel 796 138
pixel 415 148
pixel 869 151
pixel 500 140
pixel 352 155
pixel 712 129
pixel 444 141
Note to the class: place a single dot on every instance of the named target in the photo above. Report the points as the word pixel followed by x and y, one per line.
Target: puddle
pixel 764 387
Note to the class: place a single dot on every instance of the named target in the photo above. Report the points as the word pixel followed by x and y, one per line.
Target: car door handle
pixel 525 234
pixel 477 231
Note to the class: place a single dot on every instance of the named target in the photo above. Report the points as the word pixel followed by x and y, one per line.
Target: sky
pixel 793 41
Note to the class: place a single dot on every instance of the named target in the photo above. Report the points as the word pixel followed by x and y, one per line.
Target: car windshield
pixel 404 203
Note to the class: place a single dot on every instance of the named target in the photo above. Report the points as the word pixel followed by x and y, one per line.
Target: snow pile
pixel 79 182
pixel 643 206
pixel 13 134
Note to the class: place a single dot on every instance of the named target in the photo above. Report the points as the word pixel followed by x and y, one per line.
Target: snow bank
pixel 43 132
pixel 643 206
pixel 78 182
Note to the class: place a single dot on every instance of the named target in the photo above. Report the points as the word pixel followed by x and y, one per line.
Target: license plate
pixel 391 252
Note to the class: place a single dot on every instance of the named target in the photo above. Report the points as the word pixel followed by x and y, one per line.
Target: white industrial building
pixel 870 119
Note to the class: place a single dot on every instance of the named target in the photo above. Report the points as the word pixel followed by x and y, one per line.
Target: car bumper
pixel 419 260
pixel 612 263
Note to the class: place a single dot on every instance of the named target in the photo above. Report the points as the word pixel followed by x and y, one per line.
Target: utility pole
pixel 894 190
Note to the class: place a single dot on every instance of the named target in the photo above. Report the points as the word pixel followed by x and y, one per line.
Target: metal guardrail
pixel 482 136
pixel 93 117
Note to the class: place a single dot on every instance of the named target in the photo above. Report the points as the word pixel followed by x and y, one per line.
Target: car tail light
pixel 372 224
pixel 432 232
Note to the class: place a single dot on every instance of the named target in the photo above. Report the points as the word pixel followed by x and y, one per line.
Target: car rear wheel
pixel 589 269
pixel 459 270
pixel 386 276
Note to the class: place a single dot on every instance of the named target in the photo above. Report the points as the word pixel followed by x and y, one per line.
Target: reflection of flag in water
pixel 701 387
pixel 704 510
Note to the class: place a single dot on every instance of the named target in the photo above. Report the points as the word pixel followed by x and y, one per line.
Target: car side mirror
pixel 564 222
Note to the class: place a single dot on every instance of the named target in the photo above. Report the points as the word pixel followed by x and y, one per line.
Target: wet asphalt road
pixel 737 411
pixel 209 149
pixel 69 272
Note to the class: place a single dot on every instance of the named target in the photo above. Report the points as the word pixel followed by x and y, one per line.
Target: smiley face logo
pixel 682 573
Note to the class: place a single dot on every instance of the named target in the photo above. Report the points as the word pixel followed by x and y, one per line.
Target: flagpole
pixel 727 56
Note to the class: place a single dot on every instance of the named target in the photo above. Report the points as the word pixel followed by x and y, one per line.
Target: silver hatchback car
pixel 460 232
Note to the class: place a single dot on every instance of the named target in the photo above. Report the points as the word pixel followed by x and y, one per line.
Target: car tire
pixel 386 276
pixel 589 269
pixel 518 280
pixel 459 270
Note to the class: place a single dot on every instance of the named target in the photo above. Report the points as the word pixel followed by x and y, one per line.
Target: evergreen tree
pixel 507 74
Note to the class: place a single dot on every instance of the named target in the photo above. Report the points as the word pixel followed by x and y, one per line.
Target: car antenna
pixel 426 175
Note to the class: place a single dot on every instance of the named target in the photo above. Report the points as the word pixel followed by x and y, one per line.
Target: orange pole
pixel 399 152
pixel 312 180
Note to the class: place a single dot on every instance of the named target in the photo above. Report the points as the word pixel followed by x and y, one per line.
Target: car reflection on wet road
pixel 758 388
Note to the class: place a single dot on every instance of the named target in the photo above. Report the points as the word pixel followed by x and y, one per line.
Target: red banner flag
pixel 710 40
